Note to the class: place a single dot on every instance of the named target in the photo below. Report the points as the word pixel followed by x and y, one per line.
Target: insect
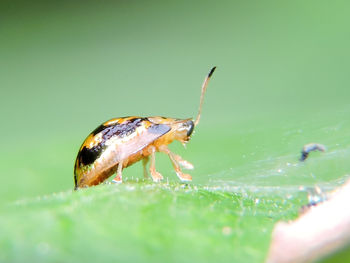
pixel 310 148
pixel 120 142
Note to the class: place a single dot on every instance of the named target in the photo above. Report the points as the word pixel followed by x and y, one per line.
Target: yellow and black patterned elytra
pixel 120 129
pixel 120 142
pixel 89 155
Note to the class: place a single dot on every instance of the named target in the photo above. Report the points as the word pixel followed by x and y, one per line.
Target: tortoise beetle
pixel 120 142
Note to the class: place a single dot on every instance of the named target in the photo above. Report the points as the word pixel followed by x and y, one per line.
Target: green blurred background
pixel 282 80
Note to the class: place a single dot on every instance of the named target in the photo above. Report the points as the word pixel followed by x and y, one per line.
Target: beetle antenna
pixel 204 88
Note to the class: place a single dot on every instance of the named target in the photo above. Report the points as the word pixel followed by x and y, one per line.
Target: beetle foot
pixel 117 180
pixel 157 177
pixel 184 177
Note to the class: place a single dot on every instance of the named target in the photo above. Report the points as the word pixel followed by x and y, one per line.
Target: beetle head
pixel 189 127
pixel 181 130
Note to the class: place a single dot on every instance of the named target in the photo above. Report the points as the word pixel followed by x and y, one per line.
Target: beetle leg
pixel 185 164
pixel 118 178
pixel 175 160
pixel 183 177
pixel 144 163
pixel 152 167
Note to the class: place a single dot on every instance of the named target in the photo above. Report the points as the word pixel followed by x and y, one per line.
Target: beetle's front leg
pixel 118 178
pixel 175 160
pixel 185 164
pixel 152 167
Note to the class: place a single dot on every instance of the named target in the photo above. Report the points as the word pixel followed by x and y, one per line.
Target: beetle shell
pixel 124 139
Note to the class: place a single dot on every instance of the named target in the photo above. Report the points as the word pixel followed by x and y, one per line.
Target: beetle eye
pixel 190 127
